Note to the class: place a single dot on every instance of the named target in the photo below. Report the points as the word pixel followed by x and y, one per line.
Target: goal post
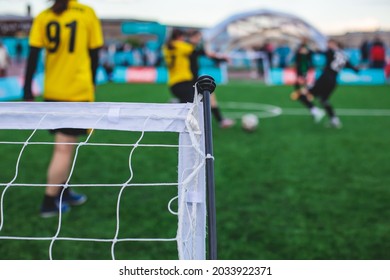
pixel 206 85
pixel 185 119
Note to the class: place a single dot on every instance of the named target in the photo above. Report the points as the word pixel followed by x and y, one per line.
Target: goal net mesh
pixel 186 202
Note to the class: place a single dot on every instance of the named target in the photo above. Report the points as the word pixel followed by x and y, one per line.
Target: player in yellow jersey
pixel 181 59
pixel 177 54
pixel 71 35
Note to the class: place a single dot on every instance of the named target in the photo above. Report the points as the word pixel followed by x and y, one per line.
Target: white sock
pixel 314 111
pixel 335 120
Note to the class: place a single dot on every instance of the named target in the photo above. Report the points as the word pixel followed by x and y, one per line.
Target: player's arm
pixel 36 42
pixel 95 43
pixel 169 57
pixel 350 66
pixel 218 57
pixel 30 70
pixel 94 55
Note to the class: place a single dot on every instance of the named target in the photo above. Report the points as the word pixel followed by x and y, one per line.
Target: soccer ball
pixel 249 122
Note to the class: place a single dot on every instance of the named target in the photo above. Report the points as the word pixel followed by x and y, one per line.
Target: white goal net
pixel 184 120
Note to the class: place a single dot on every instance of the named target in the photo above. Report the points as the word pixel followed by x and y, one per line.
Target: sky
pixel 329 16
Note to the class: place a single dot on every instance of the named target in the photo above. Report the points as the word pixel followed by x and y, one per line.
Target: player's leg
pixel 300 88
pixel 316 113
pixel 324 100
pixel 60 164
pixel 183 91
pixel 305 96
pixel 223 122
pixel 328 107
pixel 58 173
pixel 334 119
pixel 298 85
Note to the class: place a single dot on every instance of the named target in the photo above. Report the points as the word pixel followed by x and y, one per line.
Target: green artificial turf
pixel 290 190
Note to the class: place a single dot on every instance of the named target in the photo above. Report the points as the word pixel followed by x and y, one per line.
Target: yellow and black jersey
pixel 178 62
pixel 67 39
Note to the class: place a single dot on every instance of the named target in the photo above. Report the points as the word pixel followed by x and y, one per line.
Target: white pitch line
pixel 267 111
pixel 261 110
pixel 343 112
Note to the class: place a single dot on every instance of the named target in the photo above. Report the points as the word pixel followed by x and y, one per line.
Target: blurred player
pixel 181 59
pixel 195 38
pixel 71 35
pixel 323 88
pixel 176 54
pixel 303 63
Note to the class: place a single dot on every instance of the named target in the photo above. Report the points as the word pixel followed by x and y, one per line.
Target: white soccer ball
pixel 249 122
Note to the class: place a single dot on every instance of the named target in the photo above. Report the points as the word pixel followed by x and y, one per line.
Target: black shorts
pixel 301 80
pixel 324 86
pixel 184 91
pixel 68 131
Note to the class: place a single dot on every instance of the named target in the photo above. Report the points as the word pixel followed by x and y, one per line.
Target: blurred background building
pixel 268 36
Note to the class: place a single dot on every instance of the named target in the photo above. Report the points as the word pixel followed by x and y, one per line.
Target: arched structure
pixel 254 28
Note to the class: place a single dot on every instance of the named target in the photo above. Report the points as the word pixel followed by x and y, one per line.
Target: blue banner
pixel 11 88
pixel 147 28
pixel 287 76
pixel 364 77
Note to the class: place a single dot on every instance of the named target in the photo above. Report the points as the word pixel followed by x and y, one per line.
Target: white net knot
pixel 193 123
pixel 208 156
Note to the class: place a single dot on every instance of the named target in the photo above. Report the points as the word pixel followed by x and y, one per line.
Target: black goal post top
pixel 206 83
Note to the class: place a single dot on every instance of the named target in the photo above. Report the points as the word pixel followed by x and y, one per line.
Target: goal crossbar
pixel 98 115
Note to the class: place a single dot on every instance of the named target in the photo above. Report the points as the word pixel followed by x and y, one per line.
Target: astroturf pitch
pixel 290 190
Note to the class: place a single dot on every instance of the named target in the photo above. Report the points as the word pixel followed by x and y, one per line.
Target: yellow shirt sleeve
pixel 36 33
pixel 95 35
